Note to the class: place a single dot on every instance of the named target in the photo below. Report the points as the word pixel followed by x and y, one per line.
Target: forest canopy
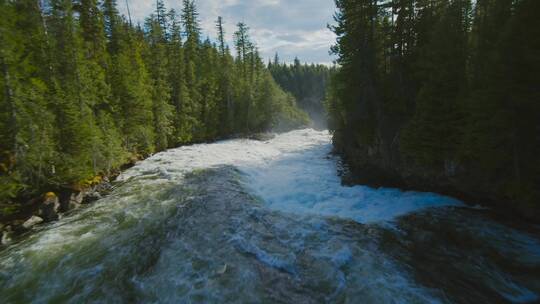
pixel 441 92
pixel 308 83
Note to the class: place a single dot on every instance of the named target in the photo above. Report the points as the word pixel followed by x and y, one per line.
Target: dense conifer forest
pixel 307 82
pixel 85 90
pixel 441 95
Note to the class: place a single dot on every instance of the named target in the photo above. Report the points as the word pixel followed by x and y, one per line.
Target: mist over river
pixel 246 221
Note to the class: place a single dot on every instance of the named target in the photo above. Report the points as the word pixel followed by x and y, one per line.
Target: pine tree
pixel 75 96
pixel 112 25
pixel 503 122
pixel 158 66
pixel 132 96
pixel 221 36
pixel 209 91
pixel 192 103
pixel 243 47
pixel 110 152
pixel 27 125
pixel 131 103
pixel 225 72
pixel 435 132
pixel 179 92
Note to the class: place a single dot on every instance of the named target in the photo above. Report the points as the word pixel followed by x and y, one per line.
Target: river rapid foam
pixel 296 173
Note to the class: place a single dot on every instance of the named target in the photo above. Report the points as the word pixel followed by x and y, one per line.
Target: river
pixel 246 221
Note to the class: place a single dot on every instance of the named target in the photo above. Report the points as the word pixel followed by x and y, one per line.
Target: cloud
pixel 294 28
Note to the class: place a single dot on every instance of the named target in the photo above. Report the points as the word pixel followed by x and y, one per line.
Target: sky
pixel 293 28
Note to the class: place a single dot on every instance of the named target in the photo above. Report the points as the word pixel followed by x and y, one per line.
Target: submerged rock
pixel 262 136
pixel 222 270
pixel 31 222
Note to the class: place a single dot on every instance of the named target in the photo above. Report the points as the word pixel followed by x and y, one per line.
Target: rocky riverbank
pixel 383 165
pixel 50 207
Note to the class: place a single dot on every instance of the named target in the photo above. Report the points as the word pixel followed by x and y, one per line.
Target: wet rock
pixel 163 173
pixel 31 222
pixel 262 136
pixel 6 236
pixel 76 199
pixel 50 207
pixel 222 270
pixel 91 197
pixel 71 200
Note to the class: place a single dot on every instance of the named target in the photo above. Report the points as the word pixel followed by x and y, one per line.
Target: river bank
pixel 383 165
pixel 52 206
pixel 61 201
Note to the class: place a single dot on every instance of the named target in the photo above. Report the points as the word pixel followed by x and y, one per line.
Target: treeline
pixel 307 82
pixel 442 94
pixel 84 90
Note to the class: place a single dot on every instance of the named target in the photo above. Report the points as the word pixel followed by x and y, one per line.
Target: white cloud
pixel 290 27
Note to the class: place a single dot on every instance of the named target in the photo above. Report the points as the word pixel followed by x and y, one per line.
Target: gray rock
pixel 71 200
pixel 31 222
pixel 75 200
pixel 6 236
pixel 91 197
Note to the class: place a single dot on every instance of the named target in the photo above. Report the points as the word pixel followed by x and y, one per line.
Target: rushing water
pixel 246 221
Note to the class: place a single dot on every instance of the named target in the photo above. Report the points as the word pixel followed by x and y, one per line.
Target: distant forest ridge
pixel 308 83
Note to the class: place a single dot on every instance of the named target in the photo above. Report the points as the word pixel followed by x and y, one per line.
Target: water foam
pixel 295 173
pixel 174 232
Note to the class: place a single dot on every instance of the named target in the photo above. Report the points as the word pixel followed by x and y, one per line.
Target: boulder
pixel 31 222
pixel 91 197
pixel 76 199
pixel 73 201
pixel 5 236
pixel 50 207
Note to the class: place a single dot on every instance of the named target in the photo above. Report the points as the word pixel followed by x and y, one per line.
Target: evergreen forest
pixel 441 95
pixel 307 83
pixel 85 91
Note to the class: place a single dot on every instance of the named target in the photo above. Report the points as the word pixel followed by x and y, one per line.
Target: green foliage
pixel 448 86
pixel 307 83
pixel 10 186
pixel 132 95
pixel 83 91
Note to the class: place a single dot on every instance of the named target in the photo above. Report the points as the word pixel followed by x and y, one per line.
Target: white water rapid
pixel 246 221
